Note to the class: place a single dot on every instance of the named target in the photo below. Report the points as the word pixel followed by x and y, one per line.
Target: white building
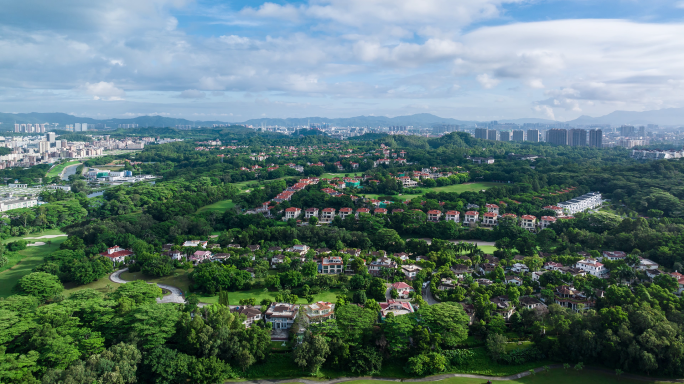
pixel 489 219
pixel 582 203
pixel 292 213
pixel 546 221
pixel 311 212
pixel 471 217
pixel 593 267
pixel 410 271
pixel 6 205
pixel 453 216
pixel 528 222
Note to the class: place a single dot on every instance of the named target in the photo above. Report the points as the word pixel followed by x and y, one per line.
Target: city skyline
pixel 234 61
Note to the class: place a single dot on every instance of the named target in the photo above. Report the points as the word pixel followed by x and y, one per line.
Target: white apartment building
pixel 528 222
pixel 546 221
pixel 453 216
pixel 492 208
pixel 6 205
pixel 311 212
pixel 332 265
pixel 292 213
pixel 344 212
pixel 582 203
pixel 434 215
pixel 471 217
pixel 327 215
pixel 489 219
pixel 410 271
pixel 593 267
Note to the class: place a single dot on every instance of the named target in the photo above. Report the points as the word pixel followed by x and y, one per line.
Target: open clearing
pixel 21 263
pixel 334 175
pixel 179 279
pixel 456 188
pixel 219 206
pixel 57 169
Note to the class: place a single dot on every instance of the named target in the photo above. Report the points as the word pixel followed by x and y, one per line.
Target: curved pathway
pixel 176 295
pixel 539 371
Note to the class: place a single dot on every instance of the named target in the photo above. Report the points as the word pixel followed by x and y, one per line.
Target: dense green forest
pixel 123 335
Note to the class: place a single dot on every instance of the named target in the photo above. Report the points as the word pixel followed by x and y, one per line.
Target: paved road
pixel 176 295
pixel 427 296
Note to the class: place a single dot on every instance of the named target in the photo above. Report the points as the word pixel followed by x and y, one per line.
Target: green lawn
pixel 179 279
pixel 38 234
pixel 259 294
pixel 334 175
pixel 57 169
pixel 219 206
pixel 21 263
pixel 103 285
pixel 458 188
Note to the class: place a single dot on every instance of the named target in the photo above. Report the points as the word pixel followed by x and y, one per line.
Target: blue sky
pixel 236 60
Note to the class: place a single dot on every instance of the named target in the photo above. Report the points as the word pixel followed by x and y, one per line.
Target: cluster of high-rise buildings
pixel 30 128
pixel 575 137
pixel 78 127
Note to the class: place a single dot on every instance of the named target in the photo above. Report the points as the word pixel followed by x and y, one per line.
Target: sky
pixel 238 60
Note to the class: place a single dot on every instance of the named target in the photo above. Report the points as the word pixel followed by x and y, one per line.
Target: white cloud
pixel 548 111
pixel 104 91
pixel 679 4
pixel 487 82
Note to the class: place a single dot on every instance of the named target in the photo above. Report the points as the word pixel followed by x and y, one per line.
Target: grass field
pixel 38 234
pixel 57 169
pixel 457 188
pixel 179 279
pixel 334 175
pixel 103 285
pixel 259 295
pixel 219 206
pixel 21 263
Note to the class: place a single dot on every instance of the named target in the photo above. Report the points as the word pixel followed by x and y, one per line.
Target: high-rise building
pixel 557 136
pixel 533 135
pixel 504 136
pixel 77 127
pixel 627 130
pixel 642 131
pixel 50 137
pixel 43 146
pixel 596 138
pixel 491 134
pixel 577 137
pixel 17 127
pixel 84 127
pixel 518 135
pixel 481 133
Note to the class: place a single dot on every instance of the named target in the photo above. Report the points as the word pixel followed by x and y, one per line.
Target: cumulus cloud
pixel 486 81
pixel 375 50
pixel 104 91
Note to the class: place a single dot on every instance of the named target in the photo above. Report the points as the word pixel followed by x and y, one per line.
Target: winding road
pixel 176 295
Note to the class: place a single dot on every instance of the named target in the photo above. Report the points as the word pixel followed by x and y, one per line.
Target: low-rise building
pixel 546 221
pixel 292 213
pixel 613 255
pixel 592 266
pixel 380 211
pixel 117 254
pixel 310 212
pixel 493 208
pixel 403 289
pixel 252 314
pixel 282 315
pixel 434 215
pixel 327 215
pixel 344 212
pixel 319 312
pixel 410 271
pixel 471 217
pixel 569 297
pixel 528 222
pixel 376 266
pixel 582 203
pixel 453 216
pixel 332 265
pixel 398 308
pixel 25 202
pixel 489 219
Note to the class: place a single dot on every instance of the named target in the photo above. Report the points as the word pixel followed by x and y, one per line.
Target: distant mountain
pixel 418 120
pixel 531 120
pixel 669 116
pixel 9 119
